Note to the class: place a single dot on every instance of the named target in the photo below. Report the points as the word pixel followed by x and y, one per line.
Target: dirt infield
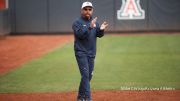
pixel 97 96
pixel 16 50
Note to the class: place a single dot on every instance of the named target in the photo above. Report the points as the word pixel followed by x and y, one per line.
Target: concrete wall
pixel 4 22
pixel 49 16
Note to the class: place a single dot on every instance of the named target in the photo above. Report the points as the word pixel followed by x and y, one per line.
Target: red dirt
pixel 17 50
pixel 97 96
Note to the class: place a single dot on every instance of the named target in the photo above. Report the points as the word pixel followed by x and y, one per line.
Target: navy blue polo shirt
pixel 85 37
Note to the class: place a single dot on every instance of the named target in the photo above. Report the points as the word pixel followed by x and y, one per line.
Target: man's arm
pixel 100 29
pixel 79 30
pixel 99 32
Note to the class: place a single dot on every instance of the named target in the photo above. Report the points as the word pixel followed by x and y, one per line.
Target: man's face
pixel 87 12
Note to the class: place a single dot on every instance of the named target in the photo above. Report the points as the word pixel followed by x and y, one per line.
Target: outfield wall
pixel 49 16
pixel 4 22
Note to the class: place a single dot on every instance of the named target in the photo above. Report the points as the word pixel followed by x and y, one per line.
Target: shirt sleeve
pixel 99 33
pixel 79 30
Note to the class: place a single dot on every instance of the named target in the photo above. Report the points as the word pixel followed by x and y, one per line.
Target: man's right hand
pixel 93 23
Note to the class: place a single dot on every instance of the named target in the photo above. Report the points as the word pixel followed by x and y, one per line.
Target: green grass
pixel 132 61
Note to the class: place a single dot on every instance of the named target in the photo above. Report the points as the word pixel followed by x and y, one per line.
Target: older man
pixel 86 30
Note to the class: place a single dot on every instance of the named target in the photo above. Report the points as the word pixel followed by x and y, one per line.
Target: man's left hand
pixel 104 25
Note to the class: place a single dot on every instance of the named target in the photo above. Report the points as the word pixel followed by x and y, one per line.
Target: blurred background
pixel 56 16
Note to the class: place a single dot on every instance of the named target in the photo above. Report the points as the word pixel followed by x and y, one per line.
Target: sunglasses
pixel 87 9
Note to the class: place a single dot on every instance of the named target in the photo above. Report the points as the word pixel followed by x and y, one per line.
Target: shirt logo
pixel 130 10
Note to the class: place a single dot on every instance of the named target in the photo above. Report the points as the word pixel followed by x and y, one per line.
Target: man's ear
pixel 81 11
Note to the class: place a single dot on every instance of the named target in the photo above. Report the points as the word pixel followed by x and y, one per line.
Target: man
pixel 86 30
